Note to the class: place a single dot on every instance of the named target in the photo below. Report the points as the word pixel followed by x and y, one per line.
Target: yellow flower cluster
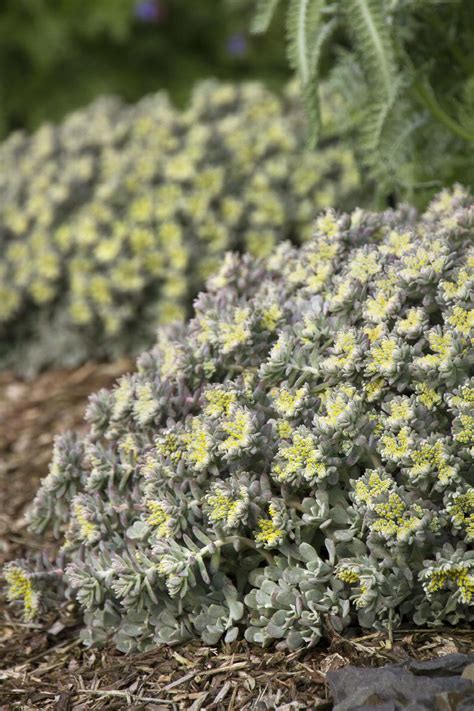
pixel 145 405
pixel 236 333
pixel 271 317
pixel 451 575
pixel 301 458
pixel 462 320
pixel 433 457
pixel 461 511
pixel 239 429
pixel 269 531
pixel 412 323
pixel 372 486
pixel 20 587
pixel 401 412
pixel 338 405
pixel 351 577
pixel 442 347
pixel 395 518
pixel 226 509
pixel 87 530
pixel 287 402
pixel 382 357
pixel 345 352
pixel 396 446
pixel 169 446
pixel 459 286
pixel 423 261
pixel 463 425
pixel 159 518
pixel 219 401
pixel 427 396
pixel 198 443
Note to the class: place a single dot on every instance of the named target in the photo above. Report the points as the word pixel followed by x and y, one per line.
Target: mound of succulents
pixel 296 459
pixel 111 222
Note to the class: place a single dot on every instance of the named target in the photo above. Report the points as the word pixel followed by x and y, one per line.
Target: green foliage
pixel 263 15
pixel 405 69
pixel 306 36
pixel 111 221
pixel 299 455
pixel 58 56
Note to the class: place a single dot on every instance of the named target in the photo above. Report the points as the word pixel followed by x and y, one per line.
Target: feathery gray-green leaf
pixel 311 89
pixel 302 26
pixel 377 115
pixel 367 22
pixel 264 13
pixel 409 102
pixel 305 38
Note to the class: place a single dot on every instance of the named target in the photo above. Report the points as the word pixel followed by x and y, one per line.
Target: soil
pixel 46 667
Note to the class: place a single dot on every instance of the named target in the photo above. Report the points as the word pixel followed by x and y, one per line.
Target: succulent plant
pixel 111 221
pixel 298 456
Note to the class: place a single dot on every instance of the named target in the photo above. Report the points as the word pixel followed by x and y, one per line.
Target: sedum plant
pixel 111 221
pixel 297 458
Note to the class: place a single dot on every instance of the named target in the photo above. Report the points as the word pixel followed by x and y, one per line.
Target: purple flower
pixel 237 45
pixel 149 11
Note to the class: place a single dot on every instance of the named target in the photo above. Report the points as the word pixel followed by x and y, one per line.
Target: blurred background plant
pixel 405 70
pixel 58 55
pixel 111 221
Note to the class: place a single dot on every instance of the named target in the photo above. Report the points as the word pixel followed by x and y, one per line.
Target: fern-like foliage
pixel 263 15
pixel 405 71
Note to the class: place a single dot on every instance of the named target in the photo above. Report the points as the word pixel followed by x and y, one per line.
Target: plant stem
pixel 237 539
pixel 297 505
pixel 426 96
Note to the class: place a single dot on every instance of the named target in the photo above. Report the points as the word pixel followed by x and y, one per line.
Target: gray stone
pixel 434 685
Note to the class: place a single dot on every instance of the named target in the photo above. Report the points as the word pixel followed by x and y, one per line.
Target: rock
pixel 435 685
pixel 468 672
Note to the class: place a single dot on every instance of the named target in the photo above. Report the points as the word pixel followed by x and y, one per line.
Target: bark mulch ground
pixel 46 667
pixel 49 669
pixel 32 413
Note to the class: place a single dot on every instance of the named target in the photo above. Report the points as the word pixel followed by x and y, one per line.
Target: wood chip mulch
pixel 52 670
pixel 46 667
pixel 32 412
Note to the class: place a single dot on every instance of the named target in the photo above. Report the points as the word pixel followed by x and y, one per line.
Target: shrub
pixel 111 221
pixel 298 456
